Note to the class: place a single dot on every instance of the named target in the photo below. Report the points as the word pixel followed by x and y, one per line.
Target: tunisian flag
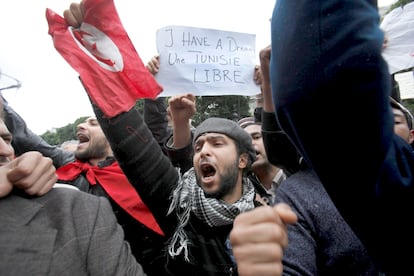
pixel 102 53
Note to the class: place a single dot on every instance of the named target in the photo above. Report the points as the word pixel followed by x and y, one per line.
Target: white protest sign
pixel 206 62
pixel 398 26
pixel 406 83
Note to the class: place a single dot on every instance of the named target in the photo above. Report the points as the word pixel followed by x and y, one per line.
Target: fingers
pixel 5 185
pixel 264 53
pixel 258 215
pixel 33 173
pixel 43 179
pixel 262 224
pixel 74 16
pixel 5 188
pixel 263 252
pixel 257 76
pixel 385 43
pixel 70 19
pixel 188 99
pixel 286 213
pixel 78 11
pixel 259 260
pixel 153 70
pixel 182 101
pixel 258 238
pixel 154 64
pixel 255 234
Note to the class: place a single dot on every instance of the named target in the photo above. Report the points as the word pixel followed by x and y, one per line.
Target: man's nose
pixel 5 149
pixel 205 149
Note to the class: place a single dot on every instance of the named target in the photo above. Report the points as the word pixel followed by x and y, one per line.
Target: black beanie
pixel 229 128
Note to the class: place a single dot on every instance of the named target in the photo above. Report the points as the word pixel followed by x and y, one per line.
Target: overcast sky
pixel 51 95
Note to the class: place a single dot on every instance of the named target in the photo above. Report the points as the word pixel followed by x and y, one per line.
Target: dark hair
pixel 258 114
pixel 405 111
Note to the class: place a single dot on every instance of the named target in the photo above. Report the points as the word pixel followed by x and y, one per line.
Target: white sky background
pixel 51 94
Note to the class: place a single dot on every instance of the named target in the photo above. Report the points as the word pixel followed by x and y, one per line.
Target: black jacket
pixel 155 177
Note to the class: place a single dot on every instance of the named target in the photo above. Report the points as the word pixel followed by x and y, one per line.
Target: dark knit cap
pixel 229 128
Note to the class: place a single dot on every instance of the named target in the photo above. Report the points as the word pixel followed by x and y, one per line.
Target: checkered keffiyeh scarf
pixel 189 197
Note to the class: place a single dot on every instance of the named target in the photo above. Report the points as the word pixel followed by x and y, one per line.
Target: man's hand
pixel 258 238
pixel 31 172
pixel 257 76
pixel 264 63
pixel 180 109
pixel 75 14
pixel 154 64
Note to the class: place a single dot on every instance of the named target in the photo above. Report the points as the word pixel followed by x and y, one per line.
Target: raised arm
pixel 280 150
pixel 147 168
pixel 327 66
pixel 182 108
pixel 179 146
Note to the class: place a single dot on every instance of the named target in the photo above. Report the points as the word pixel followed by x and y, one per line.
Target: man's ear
pixel 244 160
pixel 411 136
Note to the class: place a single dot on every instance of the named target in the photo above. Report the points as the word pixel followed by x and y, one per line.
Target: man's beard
pixel 98 149
pixel 227 184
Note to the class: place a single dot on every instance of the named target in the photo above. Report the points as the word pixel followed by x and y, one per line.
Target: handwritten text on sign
pixel 205 62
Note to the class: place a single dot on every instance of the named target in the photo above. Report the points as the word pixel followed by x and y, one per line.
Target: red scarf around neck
pixel 116 184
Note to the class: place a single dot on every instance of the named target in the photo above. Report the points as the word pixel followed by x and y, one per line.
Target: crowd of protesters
pixel 307 185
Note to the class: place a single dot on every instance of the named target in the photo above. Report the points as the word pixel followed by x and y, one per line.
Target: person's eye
pixel 7 139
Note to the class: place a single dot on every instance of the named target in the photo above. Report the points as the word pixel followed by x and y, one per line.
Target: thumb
pixel 5 185
pixel 286 213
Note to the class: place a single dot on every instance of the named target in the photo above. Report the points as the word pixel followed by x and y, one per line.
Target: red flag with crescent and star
pixel 102 53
